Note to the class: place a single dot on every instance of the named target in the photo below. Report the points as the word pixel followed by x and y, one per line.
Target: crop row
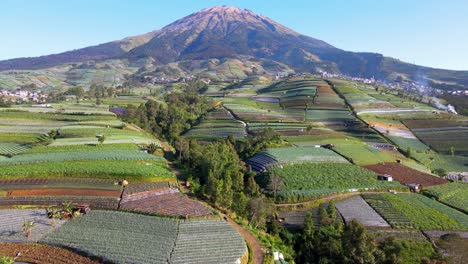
pixel 309 179
pixel 122 237
pixel 10 149
pixel 426 213
pixel 146 170
pixel 79 156
pixel 93 201
pixel 84 131
pixel 304 154
pixel 12 220
pixel 39 253
pixel 207 241
pixel 119 237
pixel 167 204
pixel 80 148
pixel 55 116
pixel 454 194
pixel 355 208
pixel 394 217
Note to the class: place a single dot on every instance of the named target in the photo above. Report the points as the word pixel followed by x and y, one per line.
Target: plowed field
pixel 62 192
pixel 406 175
pixel 42 254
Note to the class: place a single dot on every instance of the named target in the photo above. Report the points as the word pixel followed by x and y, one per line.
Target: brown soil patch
pixel 42 254
pixel 64 192
pixel 325 90
pixel 406 175
pixel 173 204
pixel 386 125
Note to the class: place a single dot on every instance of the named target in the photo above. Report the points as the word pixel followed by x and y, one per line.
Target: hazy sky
pixel 426 32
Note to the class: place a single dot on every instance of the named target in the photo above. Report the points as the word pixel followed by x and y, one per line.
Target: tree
pixel 261 209
pixel 275 185
pixel 27 227
pixel 77 91
pixel 309 226
pixel 359 247
pixel 331 210
pixel 101 139
pixel 323 215
pixel 452 151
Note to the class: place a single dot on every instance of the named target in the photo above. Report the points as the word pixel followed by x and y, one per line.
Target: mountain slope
pixel 228 32
pixel 99 52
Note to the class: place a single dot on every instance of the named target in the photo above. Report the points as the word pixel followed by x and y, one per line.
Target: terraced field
pixel 140 170
pixel 389 212
pixel 308 180
pixel 304 154
pixel 11 149
pixel 118 237
pixel 356 208
pixel 454 194
pixel 208 241
pixel 406 175
pixel 42 254
pixel 133 238
pixel 12 220
pixel 423 212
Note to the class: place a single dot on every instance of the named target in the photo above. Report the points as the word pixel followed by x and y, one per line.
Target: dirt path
pixel 253 242
pixel 179 176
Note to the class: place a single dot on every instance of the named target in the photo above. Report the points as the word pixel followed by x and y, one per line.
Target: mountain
pixel 225 32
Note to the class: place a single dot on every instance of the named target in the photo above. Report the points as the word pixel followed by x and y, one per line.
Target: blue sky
pixel 426 32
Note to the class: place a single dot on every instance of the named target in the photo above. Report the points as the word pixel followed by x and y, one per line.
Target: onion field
pixel 118 236
pixel 122 237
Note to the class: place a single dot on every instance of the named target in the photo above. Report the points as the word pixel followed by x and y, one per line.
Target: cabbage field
pixel 122 237
pixel 454 194
pixel 308 180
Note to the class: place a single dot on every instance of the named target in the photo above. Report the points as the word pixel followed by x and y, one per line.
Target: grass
pixel 329 115
pixel 361 153
pixel 20 138
pixel 405 143
pixel 435 161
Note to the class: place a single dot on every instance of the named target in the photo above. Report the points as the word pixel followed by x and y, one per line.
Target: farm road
pixel 253 242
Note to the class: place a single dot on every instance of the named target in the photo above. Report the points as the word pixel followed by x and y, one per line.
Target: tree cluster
pixel 331 242
pixel 179 112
